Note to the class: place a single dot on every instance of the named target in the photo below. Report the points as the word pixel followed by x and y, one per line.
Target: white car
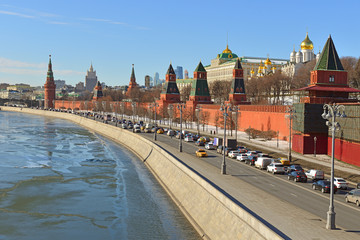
pixel 209 146
pixel 252 153
pixel 233 154
pixel 188 139
pixel 340 183
pixel 242 157
pixel 275 167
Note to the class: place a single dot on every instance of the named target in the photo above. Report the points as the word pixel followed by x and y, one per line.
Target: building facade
pixel 221 68
pixel 90 79
pixel 179 72
pixel 147 81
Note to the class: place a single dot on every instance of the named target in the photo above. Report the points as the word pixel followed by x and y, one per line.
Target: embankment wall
pixel 212 213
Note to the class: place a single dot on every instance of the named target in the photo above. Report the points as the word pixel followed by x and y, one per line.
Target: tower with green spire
pixel 132 84
pixel 199 89
pixel 49 87
pixel 237 91
pixel 98 91
pixel 328 80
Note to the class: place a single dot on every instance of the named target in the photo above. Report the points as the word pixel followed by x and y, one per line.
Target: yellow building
pixel 222 66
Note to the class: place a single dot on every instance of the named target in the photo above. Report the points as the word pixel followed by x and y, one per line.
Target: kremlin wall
pixel 328 84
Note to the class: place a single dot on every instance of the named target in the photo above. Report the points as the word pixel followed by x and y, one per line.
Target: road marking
pixel 293 194
pixel 272 185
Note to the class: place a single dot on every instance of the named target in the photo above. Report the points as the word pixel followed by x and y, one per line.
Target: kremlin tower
pixel 170 92
pixel 49 87
pixel 97 91
pixel 237 92
pixel 132 84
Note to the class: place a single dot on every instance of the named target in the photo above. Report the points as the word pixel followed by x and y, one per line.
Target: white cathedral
pixel 304 55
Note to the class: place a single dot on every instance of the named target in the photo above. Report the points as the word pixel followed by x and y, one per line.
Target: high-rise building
pixel 179 72
pixel 59 83
pixel 90 79
pixel 186 74
pixel 156 79
pixel 80 87
pixel 147 81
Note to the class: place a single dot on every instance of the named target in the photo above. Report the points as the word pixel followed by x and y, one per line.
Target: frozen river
pixel 61 181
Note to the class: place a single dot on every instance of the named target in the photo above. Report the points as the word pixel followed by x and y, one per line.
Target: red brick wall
pixel 345 151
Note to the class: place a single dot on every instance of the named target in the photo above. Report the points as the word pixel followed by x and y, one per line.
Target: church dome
pixel 293 53
pixel 307 43
pixel 267 61
pixel 299 54
pixel 227 50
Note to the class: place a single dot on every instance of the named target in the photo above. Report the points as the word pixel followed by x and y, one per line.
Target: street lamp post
pixel 225 109
pixel 170 111
pixel 133 105
pixel 277 140
pixel 315 138
pixel 180 106
pixel 154 105
pixel 330 113
pixel 291 116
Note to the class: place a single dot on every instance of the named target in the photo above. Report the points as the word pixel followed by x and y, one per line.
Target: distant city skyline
pixel 112 35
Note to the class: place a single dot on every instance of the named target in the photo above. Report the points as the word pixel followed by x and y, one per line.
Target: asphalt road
pixel 298 194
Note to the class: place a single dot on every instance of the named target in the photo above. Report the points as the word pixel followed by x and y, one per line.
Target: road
pixel 297 194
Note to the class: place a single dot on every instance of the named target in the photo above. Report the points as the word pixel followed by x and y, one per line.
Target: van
pixel 262 162
pixel 315 175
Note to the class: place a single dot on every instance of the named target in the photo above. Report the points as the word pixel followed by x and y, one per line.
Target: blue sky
pixel 113 34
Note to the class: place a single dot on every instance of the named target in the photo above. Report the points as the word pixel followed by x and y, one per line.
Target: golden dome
pixel 267 61
pixel 307 43
pixel 252 71
pixel 227 50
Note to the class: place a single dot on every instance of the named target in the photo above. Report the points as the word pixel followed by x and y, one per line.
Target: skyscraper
pixel 90 79
pixel 179 72
pixel 147 81
pixel 156 79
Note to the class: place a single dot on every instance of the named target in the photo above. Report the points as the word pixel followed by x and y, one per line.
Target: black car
pixel 323 185
pixel 297 176
pixel 295 167
pixel 251 160
pixel 199 143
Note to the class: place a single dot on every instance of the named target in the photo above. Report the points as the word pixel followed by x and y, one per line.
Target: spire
pixel 132 73
pixel 91 68
pixel 238 64
pixel 200 68
pixel 50 65
pixel 329 59
pixel 170 70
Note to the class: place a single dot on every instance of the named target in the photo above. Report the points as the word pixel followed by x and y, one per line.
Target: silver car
pixel 353 196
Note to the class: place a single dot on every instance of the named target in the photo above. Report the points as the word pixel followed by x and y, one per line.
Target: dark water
pixel 60 181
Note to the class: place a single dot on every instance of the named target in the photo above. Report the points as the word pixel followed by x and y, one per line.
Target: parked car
pixel 137 129
pixel 209 146
pixel 262 162
pixel 188 139
pixel 201 153
pixel 170 132
pixel 242 157
pixel 323 185
pixel 233 153
pixel 178 135
pixel 219 149
pixel 228 150
pixel 263 155
pixel 160 131
pixel 124 126
pixel 284 161
pixel 340 183
pixel 297 176
pixel 315 175
pixel 275 168
pixel 295 167
pixel 353 196
pixel 199 143
pixel 147 130
pixel 251 160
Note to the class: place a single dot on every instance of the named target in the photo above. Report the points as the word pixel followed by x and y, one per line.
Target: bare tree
pixel 185 93
pixel 352 66
pixel 220 90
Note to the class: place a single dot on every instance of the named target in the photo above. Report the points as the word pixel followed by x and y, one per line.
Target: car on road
pixel 341 183
pixel 160 131
pixel 233 153
pixel 284 161
pixel 209 146
pixel 353 196
pixel 262 162
pixel 297 176
pixel 315 175
pixel 188 139
pixel 199 143
pixel 275 168
pixel 295 167
pixel 170 132
pixel 251 160
pixel 242 157
pixel 323 185
pixel 219 149
pixel 201 153
pixel 137 129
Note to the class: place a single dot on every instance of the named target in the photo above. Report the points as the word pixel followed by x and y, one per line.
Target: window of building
pixel 332 78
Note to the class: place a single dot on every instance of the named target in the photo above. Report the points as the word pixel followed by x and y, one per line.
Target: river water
pixel 61 181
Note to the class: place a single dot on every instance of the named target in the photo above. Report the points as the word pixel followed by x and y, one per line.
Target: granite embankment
pixel 208 208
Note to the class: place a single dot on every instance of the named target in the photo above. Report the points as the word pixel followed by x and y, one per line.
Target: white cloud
pixel 16 14
pixel 8 63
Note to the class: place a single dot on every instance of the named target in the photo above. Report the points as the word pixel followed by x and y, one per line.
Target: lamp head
pixel 343 115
